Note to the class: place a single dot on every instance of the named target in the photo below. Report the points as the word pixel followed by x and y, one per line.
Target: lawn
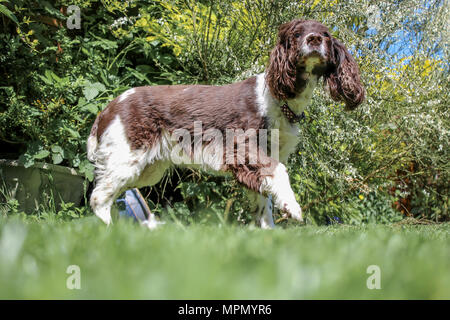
pixel 222 262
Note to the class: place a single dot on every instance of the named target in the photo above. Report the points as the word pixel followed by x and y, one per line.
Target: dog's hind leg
pixel 101 201
pixel 118 167
pixel 112 181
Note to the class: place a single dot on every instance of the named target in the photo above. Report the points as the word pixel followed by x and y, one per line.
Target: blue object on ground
pixel 135 206
pixel 332 220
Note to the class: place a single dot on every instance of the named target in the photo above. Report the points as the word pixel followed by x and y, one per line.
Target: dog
pixel 146 130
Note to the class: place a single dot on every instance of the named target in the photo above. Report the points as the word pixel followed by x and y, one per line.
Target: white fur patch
pixel 270 107
pixel 264 98
pixel 117 167
pixel 306 49
pixel 116 151
pixel 279 187
pixel 161 150
pixel 152 223
pixel 91 147
pixel 126 94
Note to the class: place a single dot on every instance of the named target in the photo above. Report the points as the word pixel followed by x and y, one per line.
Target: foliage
pixel 394 147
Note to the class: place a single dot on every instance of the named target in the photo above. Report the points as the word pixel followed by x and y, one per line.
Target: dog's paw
pixel 105 215
pixel 152 223
pixel 293 211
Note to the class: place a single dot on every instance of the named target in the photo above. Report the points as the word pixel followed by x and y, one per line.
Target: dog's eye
pixel 297 35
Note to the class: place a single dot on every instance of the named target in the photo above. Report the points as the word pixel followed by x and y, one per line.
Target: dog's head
pixel 306 47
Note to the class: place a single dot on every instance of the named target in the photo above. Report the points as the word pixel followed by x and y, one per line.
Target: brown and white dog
pixel 133 141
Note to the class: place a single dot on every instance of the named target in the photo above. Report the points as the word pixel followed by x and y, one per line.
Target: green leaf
pixel 138 75
pixel 58 154
pixel 155 42
pixel 45 79
pixel 99 86
pixel 92 108
pixel 103 43
pixel 41 154
pixel 91 90
pixel 8 13
pixel 57 158
pixel 26 160
pixel 143 68
pixel 90 93
pixel 57 149
pixel 51 10
pixel 72 132
pixel 50 74
pixel 76 161
pixel 88 169
pixel 81 101
pixel 56 78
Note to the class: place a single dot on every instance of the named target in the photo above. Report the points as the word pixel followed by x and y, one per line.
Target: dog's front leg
pixel 265 217
pixel 276 184
pixel 270 180
pixel 262 207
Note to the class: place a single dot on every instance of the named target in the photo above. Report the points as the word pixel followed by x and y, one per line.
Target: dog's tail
pixel 92 142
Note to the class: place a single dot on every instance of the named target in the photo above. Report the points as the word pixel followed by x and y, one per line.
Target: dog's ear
pixel 282 70
pixel 343 80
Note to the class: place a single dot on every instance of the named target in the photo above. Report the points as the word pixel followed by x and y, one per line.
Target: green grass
pixel 213 262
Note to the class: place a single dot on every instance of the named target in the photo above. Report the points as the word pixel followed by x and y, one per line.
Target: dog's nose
pixel 314 39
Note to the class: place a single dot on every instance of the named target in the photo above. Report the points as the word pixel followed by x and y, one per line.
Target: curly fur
pixel 285 75
pixel 344 83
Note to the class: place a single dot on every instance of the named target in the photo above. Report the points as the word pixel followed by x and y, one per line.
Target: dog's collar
pixel 290 115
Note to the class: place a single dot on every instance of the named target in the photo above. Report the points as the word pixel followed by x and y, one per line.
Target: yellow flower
pixel 361 196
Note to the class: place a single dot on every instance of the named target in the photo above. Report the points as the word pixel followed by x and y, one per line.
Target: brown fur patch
pixel 149 110
pixel 345 83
